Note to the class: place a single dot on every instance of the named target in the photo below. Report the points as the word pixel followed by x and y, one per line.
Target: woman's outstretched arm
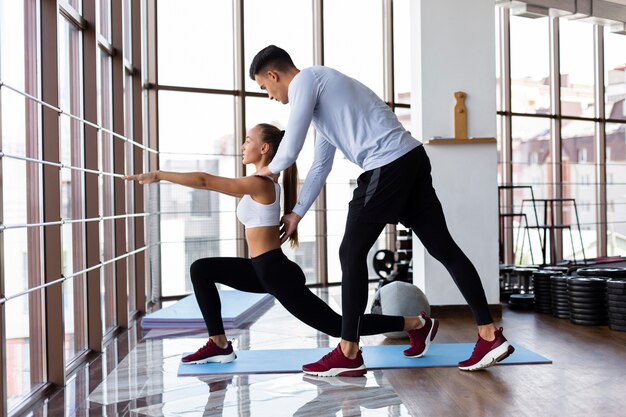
pixel 236 187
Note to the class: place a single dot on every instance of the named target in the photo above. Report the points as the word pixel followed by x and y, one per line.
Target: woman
pixel 269 270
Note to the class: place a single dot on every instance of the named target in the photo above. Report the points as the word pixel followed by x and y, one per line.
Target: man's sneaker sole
pixel 218 358
pixel 491 358
pixel 360 371
pixel 429 338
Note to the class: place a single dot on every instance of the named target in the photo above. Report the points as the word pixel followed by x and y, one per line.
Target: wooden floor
pixel 587 376
pixel 136 376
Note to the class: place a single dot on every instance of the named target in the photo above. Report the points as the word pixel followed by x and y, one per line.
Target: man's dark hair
pixel 270 57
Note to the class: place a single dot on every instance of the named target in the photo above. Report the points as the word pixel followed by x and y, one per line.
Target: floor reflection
pixel 285 395
pixel 137 376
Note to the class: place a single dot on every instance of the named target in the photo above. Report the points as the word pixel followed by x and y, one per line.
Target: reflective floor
pixel 136 376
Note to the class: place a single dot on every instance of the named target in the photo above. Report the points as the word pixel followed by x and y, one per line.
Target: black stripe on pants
pixel 273 273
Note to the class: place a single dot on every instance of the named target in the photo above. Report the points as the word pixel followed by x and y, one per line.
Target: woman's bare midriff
pixel 262 239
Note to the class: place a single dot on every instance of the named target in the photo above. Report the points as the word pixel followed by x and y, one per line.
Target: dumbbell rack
pixel 404 250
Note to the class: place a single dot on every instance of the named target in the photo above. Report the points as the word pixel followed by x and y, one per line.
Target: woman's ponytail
pixel 273 136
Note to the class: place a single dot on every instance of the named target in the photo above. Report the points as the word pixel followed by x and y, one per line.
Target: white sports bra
pixel 255 214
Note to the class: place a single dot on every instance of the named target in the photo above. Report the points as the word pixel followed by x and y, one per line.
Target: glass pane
pixel 530 65
pixel 105 18
pixel 127 21
pixel 72 195
pixel 616 189
pixel 355 49
pixel 261 110
pixel 577 68
pixel 77 4
pixel 195 134
pixel 105 182
pixel 531 165
pixel 579 184
pixel 615 74
pixel 294 33
pixel 402 50
pixel 195 43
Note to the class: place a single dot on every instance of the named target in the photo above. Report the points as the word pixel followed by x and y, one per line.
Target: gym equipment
pixel 400 299
pixel 238 308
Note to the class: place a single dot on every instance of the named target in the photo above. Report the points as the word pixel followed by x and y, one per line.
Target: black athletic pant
pixel 273 273
pixel 401 191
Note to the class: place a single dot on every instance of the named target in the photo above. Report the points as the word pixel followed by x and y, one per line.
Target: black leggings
pixel 403 191
pixel 273 273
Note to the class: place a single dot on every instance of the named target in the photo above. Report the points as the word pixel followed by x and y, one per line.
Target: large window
pixel 558 136
pixel 196 134
pixel 67 96
pixel 201 67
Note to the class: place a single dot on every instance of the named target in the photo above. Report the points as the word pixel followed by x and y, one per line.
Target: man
pixel 395 187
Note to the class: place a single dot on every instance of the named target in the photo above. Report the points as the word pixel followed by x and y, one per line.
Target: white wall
pixel 465 178
pixel 453 49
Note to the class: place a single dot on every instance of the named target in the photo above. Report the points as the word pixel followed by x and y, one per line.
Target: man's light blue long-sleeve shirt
pixel 347 116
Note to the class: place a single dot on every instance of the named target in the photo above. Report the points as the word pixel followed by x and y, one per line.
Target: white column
pixel 453 49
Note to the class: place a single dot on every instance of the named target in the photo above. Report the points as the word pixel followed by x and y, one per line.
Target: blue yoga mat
pixel 376 357
pixel 237 308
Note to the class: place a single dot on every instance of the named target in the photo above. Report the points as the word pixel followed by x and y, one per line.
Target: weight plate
pixel 589 295
pixel 586 281
pixel 617 316
pixel 616 310
pixel 590 311
pixel 588 322
pixel 587 300
pixel 619 304
pixel 584 287
pixel 602 272
pixel 617 327
pixel 616 283
pixel 585 305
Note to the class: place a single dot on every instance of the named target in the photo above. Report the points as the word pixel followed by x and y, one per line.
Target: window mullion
pixel 240 109
pixel 555 128
pixel 600 142
pixel 321 226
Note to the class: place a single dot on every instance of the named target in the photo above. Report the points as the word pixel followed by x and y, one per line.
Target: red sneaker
pixel 420 338
pixel 211 353
pixel 336 364
pixel 487 353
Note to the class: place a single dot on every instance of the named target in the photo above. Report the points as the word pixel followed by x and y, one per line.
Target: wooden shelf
pixel 451 141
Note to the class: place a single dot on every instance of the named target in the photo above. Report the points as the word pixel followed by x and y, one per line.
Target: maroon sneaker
pixel 211 353
pixel 336 364
pixel 487 353
pixel 420 338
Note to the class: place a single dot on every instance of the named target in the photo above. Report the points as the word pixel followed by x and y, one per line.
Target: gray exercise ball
pixel 400 299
